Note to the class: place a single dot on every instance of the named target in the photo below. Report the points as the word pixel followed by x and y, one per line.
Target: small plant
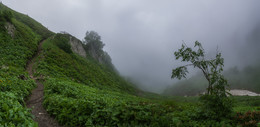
pixel 215 103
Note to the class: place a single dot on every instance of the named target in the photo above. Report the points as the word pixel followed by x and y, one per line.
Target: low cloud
pixel 141 36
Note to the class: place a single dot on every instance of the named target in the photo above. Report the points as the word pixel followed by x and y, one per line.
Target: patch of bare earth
pixel 35 101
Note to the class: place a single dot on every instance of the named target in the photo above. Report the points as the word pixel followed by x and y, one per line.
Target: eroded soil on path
pixel 35 100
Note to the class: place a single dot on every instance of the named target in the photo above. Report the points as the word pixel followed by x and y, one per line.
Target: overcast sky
pixel 141 35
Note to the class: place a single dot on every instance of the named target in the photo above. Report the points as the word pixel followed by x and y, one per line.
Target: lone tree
pixel 216 104
pixel 211 68
pixel 93 43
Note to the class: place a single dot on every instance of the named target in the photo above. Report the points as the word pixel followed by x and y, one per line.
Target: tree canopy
pixel 94 46
pixel 211 68
pixel 215 103
pixel 93 42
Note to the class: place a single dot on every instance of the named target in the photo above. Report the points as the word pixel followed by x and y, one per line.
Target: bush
pixel 249 119
pixel 6 15
pixel 63 43
pixel 214 107
pixel 13 113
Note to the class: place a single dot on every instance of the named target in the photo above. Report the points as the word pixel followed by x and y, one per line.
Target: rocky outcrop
pixel 101 56
pixel 10 29
pixel 76 46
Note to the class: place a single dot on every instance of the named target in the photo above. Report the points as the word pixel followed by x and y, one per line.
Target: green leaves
pixel 14 53
pixel 188 55
pixel 93 44
pixel 58 64
pixel 13 90
pixel 62 42
pixel 215 101
pixel 6 15
pixel 13 113
pixel 211 68
pixel 94 107
pixel 179 72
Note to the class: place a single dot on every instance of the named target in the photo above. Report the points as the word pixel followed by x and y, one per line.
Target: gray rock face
pixel 10 29
pixel 77 47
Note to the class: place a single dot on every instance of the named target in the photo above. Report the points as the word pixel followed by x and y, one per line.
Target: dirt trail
pixel 35 101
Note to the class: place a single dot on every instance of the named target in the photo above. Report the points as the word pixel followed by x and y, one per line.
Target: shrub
pixel 13 113
pixel 6 15
pixel 248 119
pixel 215 108
pixel 63 43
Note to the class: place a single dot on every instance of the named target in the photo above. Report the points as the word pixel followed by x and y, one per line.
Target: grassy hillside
pixel 82 92
pixel 60 62
pixel 18 42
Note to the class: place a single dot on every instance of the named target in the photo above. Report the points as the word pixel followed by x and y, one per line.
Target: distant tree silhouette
pixel 93 43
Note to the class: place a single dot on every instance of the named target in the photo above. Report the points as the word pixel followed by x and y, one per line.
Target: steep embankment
pixel 61 62
pixel 18 43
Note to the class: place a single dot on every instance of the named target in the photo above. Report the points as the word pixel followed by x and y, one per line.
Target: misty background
pixel 142 35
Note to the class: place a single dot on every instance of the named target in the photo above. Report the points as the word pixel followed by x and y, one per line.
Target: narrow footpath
pixel 35 100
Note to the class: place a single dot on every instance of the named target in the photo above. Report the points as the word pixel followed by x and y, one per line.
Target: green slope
pixel 15 51
pixel 80 91
pixel 62 63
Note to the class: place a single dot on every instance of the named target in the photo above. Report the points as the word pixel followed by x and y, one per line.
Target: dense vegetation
pixel 216 105
pixel 76 104
pixel 60 63
pixel 94 46
pixel 18 42
pixel 84 92
pixel 81 92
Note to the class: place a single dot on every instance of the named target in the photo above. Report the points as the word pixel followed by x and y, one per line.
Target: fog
pixel 142 35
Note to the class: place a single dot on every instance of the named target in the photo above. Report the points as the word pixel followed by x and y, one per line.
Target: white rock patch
pixel 77 47
pixel 10 29
pixel 236 92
